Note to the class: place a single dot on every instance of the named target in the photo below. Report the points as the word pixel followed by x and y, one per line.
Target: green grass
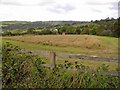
pixel 13 22
pixel 110 49
pixel 32 46
pixel 90 63
pixel 36 77
pixel 109 41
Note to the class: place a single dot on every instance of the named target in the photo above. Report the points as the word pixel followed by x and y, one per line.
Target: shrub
pixel 106 33
pixel 17 67
pixel 21 70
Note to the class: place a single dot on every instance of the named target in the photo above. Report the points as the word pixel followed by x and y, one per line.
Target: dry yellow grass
pixel 82 44
pixel 83 41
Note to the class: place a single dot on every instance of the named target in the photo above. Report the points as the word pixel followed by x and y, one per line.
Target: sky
pixel 54 10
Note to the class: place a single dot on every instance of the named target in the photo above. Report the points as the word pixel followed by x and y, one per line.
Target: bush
pixel 85 31
pixel 7 33
pixel 17 67
pixel 30 31
pixel 22 70
pixel 106 33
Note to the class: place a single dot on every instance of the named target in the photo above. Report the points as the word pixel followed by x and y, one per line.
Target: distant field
pixel 6 23
pixel 83 44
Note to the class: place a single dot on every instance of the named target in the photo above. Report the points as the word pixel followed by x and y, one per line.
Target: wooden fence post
pixel 52 60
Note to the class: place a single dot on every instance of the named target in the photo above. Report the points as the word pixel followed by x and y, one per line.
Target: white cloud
pixel 61 8
pixel 27 2
pixel 37 10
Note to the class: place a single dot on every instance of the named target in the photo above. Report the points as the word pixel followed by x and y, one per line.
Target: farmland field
pixel 78 44
pixel 82 44
pixel 54 44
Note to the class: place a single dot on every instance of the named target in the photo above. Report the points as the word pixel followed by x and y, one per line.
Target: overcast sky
pixel 47 10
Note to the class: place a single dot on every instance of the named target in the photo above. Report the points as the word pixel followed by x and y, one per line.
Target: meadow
pixel 82 44
pixel 22 70
pixel 77 44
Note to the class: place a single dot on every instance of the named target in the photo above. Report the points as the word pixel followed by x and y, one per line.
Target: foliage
pixel 16 68
pixel 30 30
pixel 22 70
pixel 10 33
pixel 116 28
pixel 106 33
pixel 69 29
pixel 105 27
pixel 78 30
pixel 85 31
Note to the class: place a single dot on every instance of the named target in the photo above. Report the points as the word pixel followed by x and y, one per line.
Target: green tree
pixel 116 28
pixel 85 31
pixel 99 29
pixel 69 29
pixel 92 32
pixel 106 33
pixel 30 30
pixel 7 33
pixel 78 30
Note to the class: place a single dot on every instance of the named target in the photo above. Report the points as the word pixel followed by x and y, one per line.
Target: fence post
pixel 52 60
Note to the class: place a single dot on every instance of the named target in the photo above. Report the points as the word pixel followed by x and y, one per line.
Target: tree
pixel 70 29
pixel 99 29
pixel 8 33
pixel 46 31
pixel 85 31
pixel 116 28
pixel 30 30
pixel 92 31
pixel 106 33
pixel 78 30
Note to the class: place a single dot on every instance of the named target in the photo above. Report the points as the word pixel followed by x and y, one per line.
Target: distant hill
pixel 12 25
pixel 103 27
pixel 7 23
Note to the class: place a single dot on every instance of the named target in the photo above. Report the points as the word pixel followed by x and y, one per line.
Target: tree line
pixel 106 27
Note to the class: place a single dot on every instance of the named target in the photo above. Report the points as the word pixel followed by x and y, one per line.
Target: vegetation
pixel 22 70
pixel 113 66
pixel 106 27
pixel 7 23
pixel 80 44
pixel 75 50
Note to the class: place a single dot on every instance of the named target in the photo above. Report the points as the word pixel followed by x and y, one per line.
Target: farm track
pixel 76 56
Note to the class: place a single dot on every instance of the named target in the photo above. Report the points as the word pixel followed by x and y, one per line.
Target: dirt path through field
pixel 76 56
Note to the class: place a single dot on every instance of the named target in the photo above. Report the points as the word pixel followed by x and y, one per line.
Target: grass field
pixel 82 44
pixel 92 64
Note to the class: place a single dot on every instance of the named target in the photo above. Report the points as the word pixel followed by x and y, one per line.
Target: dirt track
pixel 78 56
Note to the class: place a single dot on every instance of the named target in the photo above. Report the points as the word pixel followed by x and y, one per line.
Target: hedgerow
pixel 21 70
